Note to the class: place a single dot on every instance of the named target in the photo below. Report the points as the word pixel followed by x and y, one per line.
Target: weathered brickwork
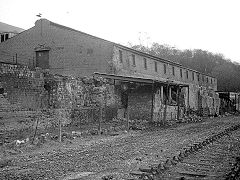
pixel 70 52
pixel 22 87
pixel 137 64
pixel 140 103
pixel 73 54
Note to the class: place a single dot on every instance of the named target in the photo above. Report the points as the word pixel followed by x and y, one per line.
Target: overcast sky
pixel 211 25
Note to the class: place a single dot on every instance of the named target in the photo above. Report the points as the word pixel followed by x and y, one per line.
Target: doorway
pixel 42 59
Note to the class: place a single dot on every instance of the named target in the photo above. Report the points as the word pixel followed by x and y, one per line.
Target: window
pixel 42 59
pixel 1 90
pixel 89 51
pixel 165 68
pixel 181 73
pixel 193 76
pixel 133 60
pixel 155 65
pixel 2 37
pixel 202 78
pixel 186 74
pixel 211 80
pixel 207 79
pixel 198 77
pixel 6 37
pixel 173 71
pixel 120 56
pixel 145 63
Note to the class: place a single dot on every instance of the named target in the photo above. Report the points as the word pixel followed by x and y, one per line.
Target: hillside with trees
pixel 226 71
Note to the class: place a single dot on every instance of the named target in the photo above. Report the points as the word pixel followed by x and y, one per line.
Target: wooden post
pixel 165 108
pixel 92 110
pixel 238 102
pixel 188 99
pixel 16 58
pixel 170 94
pixel 235 102
pixel 127 119
pixel 152 102
pixel 100 120
pixel 35 132
pixel 105 103
pixel 60 126
pixel 60 130
pixel 178 103
pixel 162 92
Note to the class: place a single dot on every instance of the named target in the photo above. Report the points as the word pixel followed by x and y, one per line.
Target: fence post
pixel 16 58
pixel 127 119
pixel 178 103
pixel 60 126
pixel 35 132
pixel 100 120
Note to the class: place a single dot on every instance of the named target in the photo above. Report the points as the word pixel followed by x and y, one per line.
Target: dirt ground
pixel 112 156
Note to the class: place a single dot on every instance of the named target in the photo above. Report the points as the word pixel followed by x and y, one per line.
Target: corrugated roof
pixel 139 79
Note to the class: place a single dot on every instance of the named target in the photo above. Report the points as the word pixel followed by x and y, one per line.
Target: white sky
pixel 211 25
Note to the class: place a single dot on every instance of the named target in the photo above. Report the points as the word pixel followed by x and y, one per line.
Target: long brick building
pixel 69 52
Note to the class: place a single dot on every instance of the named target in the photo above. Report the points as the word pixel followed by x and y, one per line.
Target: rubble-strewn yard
pixel 112 154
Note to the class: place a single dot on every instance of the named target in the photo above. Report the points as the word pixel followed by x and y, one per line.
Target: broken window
pixel 145 63
pixel 173 95
pixel 6 36
pixel 133 60
pixel 89 51
pixel 155 65
pixel 42 59
pixel 120 56
pixel 165 68
pixel 1 90
pixel 2 37
pixel 165 94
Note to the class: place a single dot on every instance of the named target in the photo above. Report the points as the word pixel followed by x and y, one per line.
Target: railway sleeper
pixel 150 172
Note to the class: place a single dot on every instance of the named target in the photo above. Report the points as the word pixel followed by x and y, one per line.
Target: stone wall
pixel 140 103
pixel 22 87
pixel 84 97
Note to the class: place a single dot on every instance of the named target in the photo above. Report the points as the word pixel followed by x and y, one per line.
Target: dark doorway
pixel 42 59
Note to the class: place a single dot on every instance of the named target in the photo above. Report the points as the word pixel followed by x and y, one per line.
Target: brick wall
pixel 70 52
pixel 22 87
pixel 140 103
pixel 138 69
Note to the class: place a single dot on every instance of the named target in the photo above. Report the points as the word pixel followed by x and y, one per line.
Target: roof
pixel 9 28
pixel 130 49
pixel 138 79
pixel 227 92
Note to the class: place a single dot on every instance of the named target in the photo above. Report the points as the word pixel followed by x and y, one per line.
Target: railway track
pixel 212 158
